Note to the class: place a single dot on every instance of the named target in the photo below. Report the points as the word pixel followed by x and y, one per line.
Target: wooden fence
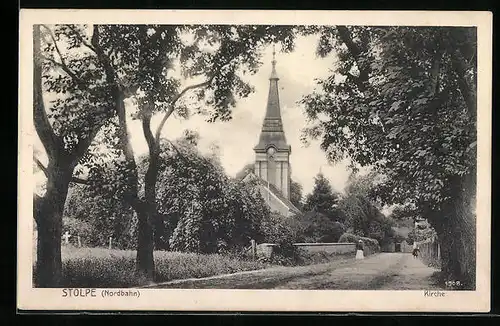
pixel 430 252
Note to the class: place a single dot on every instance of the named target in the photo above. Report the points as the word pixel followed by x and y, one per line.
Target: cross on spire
pixel 274 55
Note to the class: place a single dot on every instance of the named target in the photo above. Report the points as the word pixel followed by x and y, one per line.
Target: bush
pixel 283 231
pixel 317 227
pixel 371 246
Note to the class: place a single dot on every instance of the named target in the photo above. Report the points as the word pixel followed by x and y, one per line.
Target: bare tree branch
pixel 41 166
pixel 146 129
pixel 80 181
pixel 356 52
pixel 174 100
pixel 50 141
pixel 46 172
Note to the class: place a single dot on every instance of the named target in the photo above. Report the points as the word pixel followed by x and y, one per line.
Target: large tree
pixel 70 104
pixel 148 64
pixel 323 199
pixel 362 209
pixel 403 100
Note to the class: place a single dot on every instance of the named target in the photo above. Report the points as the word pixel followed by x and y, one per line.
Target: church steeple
pixel 272 127
pixel 273 152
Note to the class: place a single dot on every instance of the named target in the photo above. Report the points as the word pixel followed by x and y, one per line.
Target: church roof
pixel 272 127
pixel 279 194
pixel 275 191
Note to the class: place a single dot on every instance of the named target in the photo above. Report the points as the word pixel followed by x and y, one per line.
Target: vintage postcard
pixel 333 161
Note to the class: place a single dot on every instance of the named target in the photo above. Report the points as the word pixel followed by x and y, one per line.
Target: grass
pixel 101 267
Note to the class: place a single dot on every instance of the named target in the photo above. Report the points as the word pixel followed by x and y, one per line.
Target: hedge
pixel 370 245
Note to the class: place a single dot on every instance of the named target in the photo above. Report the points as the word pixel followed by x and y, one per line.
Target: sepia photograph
pixel 220 156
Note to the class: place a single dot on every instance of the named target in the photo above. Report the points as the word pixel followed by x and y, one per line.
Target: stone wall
pixel 266 249
pixel 331 248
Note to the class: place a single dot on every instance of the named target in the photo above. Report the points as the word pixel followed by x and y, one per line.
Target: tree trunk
pixel 145 266
pixel 49 226
pixel 150 180
pixel 147 219
pixel 457 234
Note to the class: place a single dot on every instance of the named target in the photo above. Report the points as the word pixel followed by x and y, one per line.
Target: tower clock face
pixel 271 151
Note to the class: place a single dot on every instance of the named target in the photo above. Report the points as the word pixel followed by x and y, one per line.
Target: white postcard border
pixel 30 298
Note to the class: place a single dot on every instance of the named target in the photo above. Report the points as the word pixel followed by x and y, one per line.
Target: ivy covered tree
pixel 403 100
pixel 204 210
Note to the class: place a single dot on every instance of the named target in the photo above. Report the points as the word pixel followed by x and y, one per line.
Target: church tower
pixel 272 153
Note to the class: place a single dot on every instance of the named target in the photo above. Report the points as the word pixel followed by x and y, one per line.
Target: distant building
pixel 272 155
pixel 421 223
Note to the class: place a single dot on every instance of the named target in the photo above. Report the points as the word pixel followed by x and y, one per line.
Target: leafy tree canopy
pixel 402 99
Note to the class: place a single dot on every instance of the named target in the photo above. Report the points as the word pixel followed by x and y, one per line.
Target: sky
pixel 237 137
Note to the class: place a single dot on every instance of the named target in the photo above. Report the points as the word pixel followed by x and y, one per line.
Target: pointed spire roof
pixel 272 133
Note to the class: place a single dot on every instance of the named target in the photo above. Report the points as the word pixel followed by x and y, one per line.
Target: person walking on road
pixel 360 250
pixel 416 251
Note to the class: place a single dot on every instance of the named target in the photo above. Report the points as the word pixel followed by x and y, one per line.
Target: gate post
pixel 254 248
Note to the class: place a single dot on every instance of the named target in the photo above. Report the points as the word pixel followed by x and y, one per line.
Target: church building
pixel 272 155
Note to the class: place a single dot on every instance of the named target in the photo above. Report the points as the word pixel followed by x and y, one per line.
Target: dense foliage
pixel 317 227
pixel 323 199
pixel 91 72
pixel 96 217
pixel 403 100
pixel 296 194
pixel 203 209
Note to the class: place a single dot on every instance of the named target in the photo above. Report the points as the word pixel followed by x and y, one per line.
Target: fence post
pixel 79 242
pixel 110 242
pixel 254 248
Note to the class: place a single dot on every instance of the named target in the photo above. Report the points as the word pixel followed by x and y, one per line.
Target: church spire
pixel 274 75
pixel 272 127
pixel 272 153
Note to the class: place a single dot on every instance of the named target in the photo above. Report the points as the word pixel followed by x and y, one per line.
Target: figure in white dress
pixel 359 250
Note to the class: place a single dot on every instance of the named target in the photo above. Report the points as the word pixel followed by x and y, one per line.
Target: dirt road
pixel 384 271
